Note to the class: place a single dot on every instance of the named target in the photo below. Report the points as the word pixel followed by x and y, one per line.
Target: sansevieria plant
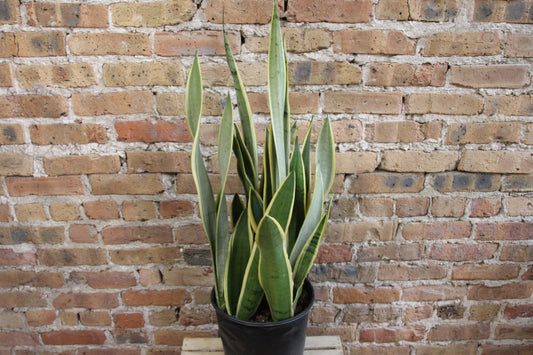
pixel 268 246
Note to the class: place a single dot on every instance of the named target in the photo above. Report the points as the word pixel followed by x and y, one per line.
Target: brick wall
pixel 429 247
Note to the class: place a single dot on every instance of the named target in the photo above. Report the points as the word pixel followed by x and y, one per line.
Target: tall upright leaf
pixel 194 97
pixel 300 195
pixel 277 86
pixel 251 291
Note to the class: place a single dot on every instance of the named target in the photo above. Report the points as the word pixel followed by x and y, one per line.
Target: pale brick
pixel 379 182
pixel 45 186
pixel 116 103
pixel 413 161
pixel 172 104
pixel 153 14
pixel 484 133
pixel 67 134
pixel 138 210
pixel 402 131
pixel 490 76
pixel 159 162
pixel 65 211
pixel 519 45
pixel 528 136
pixel 83 164
pixel 69 75
pixel 496 162
pixel 445 104
pixel 521 105
pixel 252 74
pixel 449 44
pixel 332 11
pixel 6 75
pixel 437 231
pixel 10 12
pixel 67 15
pixel 403 74
pixel 144 74
pixel 520 206
pixel 110 44
pixel 403 272
pixel 8 47
pixel 16 164
pixel 431 10
pixel 362 231
pixel 448 206
pixel 373 42
pixel 392 10
pixel 300 102
pixel 249 11
pixel 33 106
pixel 376 207
pixel 485 272
pixel 412 206
pixel 11 134
pixel 195 42
pixel 298 40
pixel 485 207
pixel 30 212
pixel 137 184
pixel 40 44
pixel 324 73
pixel 363 102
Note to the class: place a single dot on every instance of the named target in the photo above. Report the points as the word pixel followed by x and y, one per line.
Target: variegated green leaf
pixel 251 291
pixel 300 195
pixel 281 206
pixel 237 208
pixel 194 97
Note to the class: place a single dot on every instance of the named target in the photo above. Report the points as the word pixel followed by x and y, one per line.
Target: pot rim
pixel 300 315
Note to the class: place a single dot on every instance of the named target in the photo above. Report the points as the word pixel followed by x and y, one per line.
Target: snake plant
pixel 266 244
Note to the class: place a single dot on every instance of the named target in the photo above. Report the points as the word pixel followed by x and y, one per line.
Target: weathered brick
pixel 95 318
pixel 392 10
pixel 508 331
pixel 455 182
pixel 507 291
pixel 347 333
pixel 521 105
pixel 373 183
pixel 191 234
pixel 67 15
pixel 373 42
pixel 373 207
pixel 519 206
pixel 323 314
pixel 412 206
pixel 191 276
pixel 151 132
pixel 83 233
pixel 449 44
pixel 300 102
pixel 21 299
pixel 363 102
pixel 71 257
pixel 143 234
pixel 68 75
pixel 173 104
pixel 362 231
pixel 30 212
pixel 408 252
pixel 448 207
pixel 363 294
pixel 324 73
pixel 40 317
pixel 6 75
pixel 104 279
pixel 155 162
pixel 249 12
pixel 443 332
pixel 82 164
pixel 110 44
pixel 16 164
pixel 298 40
pixel 528 136
pixel 333 254
pixel 118 103
pixel 485 272
pixel 8 47
pixel 33 106
pixel 485 207
pixel 161 255
pixel 463 252
pixel 11 134
pixel 13 320
pixel 430 10
pixel 150 276
pixel 496 162
pixel 96 300
pixel 504 231
pixel 44 186
pixel 176 208
pixel 444 104
pixel 416 161
pixel 9 257
pixel 18 338
pixel 173 297
pixel 516 252
pixel 138 184
pixel 14 278
pixel 433 293
pixel 175 337
pixel 194 42
pixel 519 45
pixel 138 210
pixel 502 11
pixel 437 230
pixel 152 14
pixel 518 311
pixel 43 134
pixel 415 314
pixel 143 74
pixel 73 337
pixel 484 133
pixel 103 210
pixel 335 11
pixel 10 13
pixel 5 213
pixel 402 131
pixel 128 320
pixel 490 76
pixel 491 349
pixel 392 334
pixel 403 272
pixel 403 74
pixel 40 44
pixel 484 311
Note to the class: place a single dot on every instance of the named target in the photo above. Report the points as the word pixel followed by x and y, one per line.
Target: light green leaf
pixel 275 274
pixel 194 97
pixel 325 156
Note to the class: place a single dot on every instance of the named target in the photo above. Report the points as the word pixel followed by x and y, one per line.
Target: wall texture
pixel 429 249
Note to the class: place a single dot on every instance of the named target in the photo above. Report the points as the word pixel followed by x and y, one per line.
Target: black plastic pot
pixel 285 337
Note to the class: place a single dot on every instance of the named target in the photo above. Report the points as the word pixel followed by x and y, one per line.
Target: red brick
pixel 191 234
pixel 433 293
pixel 71 257
pixel 128 320
pixel 333 254
pixel 14 278
pixel 455 332
pixel 40 317
pixel 138 184
pixel 504 231
pixel 437 231
pixel 40 44
pixel 485 272
pixel 485 207
pixel 33 106
pixel 67 15
pixel 518 311
pixel 73 337
pixel 152 132
pixel 507 291
pixel 392 334
pixel 104 210
pixel 373 42
pixel 174 297
pixel 176 208
pixel 492 349
pixel 83 233
pixel 390 252
pixel 403 74
pixel 139 256
pixel 345 295
pixel 104 279
pixel 9 257
pixel 159 162
pixel 506 331
pixel 116 103
pixel 143 234
pixel 67 134
pixel 337 11
pixel 194 42
pixel 19 338
pixel 463 252
pixel 109 43
pixel 86 300
pixel 21 299
pixel 517 252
